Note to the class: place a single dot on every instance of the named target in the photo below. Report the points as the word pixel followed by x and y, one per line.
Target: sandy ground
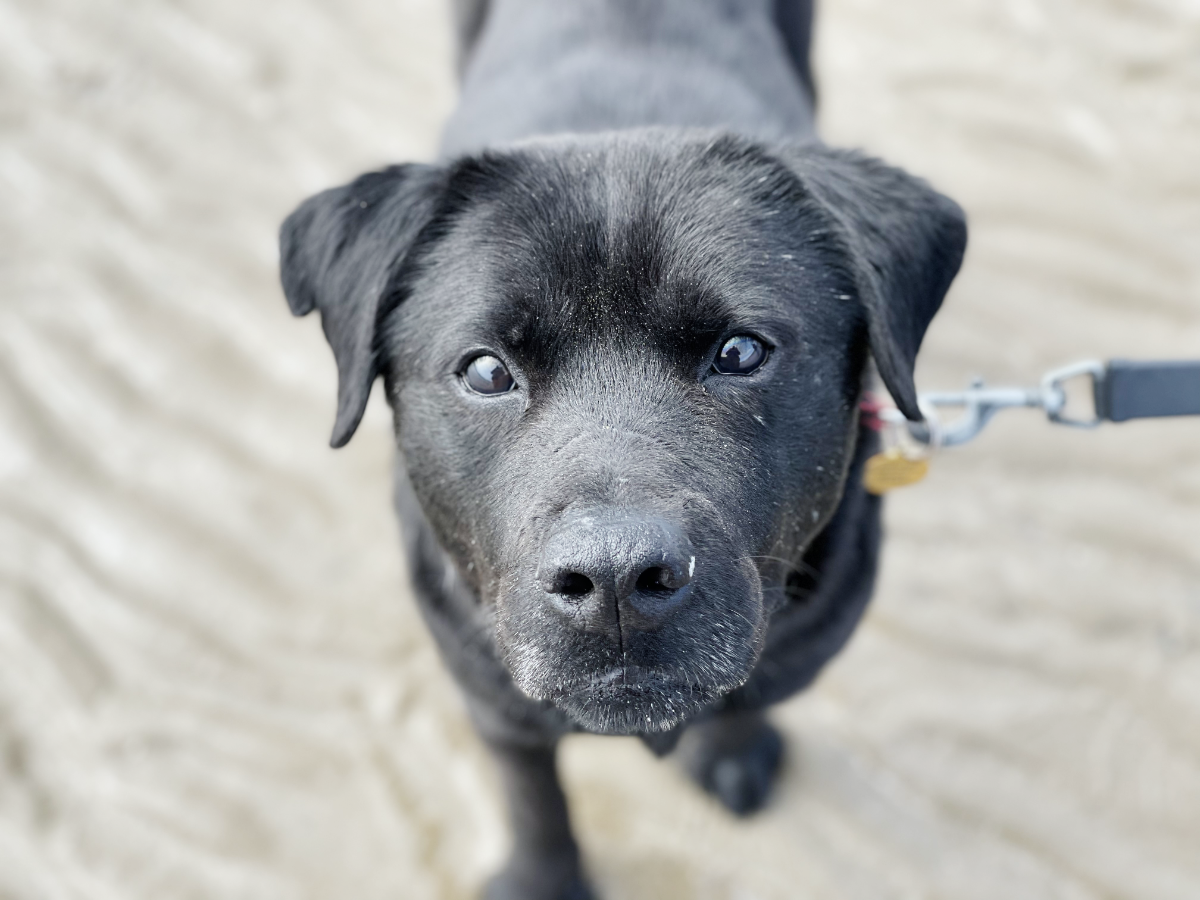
pixel 212 682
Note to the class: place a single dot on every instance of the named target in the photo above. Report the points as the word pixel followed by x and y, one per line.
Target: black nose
pixel 609 572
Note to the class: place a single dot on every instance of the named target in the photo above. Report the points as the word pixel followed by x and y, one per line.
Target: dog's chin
pixel 631 700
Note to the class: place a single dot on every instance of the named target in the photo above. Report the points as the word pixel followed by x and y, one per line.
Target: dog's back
pixel 538 67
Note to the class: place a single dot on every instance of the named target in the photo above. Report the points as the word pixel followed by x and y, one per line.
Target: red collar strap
pixel 869 408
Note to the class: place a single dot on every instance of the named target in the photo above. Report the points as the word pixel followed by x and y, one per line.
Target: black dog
pixel 624 330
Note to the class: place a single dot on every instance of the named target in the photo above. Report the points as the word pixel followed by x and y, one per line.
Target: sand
pixel 213 682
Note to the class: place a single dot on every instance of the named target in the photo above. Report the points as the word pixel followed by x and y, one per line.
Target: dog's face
pixel 625 373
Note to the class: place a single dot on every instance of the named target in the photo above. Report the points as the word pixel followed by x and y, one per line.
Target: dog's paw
pixel 538 880
pixel 736 762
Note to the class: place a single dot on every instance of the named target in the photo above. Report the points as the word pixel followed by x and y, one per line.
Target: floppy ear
pixel 339 252
pixel 905 242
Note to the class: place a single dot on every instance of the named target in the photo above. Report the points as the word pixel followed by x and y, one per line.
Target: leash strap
pixel 1122 389
pixel 1130 389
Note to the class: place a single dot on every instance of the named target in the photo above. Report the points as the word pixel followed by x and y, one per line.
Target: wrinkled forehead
pixel 567 245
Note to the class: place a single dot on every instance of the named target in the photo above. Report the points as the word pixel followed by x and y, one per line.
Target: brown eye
pixel 740 355
pixel 487 375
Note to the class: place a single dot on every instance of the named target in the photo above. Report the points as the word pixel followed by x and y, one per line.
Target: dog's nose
pixel 607 573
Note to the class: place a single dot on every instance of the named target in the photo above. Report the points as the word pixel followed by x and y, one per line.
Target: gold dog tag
pixel 892 469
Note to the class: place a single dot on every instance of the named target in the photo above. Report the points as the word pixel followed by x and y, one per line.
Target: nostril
pixel 572 584
pixel 655 580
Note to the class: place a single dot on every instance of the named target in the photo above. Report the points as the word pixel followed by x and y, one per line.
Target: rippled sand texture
pixel 212 683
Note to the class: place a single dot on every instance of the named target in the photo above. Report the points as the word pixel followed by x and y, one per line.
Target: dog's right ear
pixel 339 252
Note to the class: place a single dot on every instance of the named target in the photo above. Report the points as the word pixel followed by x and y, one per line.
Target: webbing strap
pixel 1144 390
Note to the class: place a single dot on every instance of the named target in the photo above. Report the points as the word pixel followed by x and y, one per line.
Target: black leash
pixel 1128 389
pixel 1121 390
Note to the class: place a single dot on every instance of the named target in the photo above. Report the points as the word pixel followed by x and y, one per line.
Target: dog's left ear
pixel 339 252
pixel 905 242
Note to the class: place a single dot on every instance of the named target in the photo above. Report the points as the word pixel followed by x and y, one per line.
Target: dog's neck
pixel 543 67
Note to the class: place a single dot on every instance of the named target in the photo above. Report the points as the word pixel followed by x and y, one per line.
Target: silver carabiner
pixel 980 403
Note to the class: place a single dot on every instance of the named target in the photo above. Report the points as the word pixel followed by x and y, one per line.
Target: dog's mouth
pixel 633 700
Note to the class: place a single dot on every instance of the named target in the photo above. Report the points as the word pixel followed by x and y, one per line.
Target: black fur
pixel 604 257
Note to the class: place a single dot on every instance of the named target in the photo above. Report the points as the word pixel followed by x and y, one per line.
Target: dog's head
pixel 625 371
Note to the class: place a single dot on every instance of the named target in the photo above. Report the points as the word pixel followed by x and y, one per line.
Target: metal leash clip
pixel 1120 390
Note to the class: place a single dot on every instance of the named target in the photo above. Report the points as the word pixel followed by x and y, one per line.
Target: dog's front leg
pixel 735 756
pixel 544 864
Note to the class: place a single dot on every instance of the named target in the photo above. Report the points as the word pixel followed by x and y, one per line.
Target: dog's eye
pixel 740 355
pixel 487 375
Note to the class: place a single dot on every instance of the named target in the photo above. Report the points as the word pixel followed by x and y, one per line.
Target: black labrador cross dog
pixel 624 326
